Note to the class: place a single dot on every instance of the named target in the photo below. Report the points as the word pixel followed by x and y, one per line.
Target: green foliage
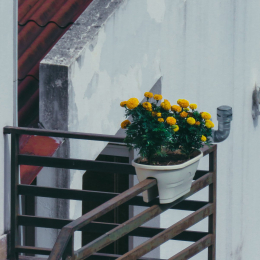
pixel 148 135
pixel 188 138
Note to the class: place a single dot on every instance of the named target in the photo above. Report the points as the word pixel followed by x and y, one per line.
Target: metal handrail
pixel 64 243
pixel 66 232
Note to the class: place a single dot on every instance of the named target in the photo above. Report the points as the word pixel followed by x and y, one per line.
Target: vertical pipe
pixel 14 195
pixel 15 63
pixel 212 199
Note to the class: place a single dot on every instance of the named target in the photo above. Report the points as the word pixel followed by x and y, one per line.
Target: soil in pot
pixel 172 158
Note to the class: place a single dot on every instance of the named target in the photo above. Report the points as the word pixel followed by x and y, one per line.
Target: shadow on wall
pixel 156 89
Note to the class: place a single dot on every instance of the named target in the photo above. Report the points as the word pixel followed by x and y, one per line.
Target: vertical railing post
pixel 69 252
pixel 212 199
pixel 14 236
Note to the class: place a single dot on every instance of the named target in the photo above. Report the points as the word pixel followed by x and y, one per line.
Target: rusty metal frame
pixel 63 247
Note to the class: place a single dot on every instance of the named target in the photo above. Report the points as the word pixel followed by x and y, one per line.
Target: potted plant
pixel 168 139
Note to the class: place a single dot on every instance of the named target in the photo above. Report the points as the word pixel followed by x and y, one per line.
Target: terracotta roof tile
pixel 41 25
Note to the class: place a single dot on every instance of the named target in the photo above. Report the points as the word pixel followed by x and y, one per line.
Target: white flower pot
pixel 173 181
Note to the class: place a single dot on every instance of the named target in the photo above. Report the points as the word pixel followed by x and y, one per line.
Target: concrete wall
pixel 8 21
pixel 205 51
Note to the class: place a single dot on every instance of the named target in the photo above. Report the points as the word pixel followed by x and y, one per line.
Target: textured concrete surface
pixel 3 247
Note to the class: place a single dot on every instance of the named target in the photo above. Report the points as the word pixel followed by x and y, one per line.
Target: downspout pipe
pixel 224 117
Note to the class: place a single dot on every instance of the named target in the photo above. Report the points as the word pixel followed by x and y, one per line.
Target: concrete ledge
pixel 3 247
pixel 82 32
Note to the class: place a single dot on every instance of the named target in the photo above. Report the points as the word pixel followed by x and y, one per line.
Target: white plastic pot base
pixel 173 181
pixel 165 201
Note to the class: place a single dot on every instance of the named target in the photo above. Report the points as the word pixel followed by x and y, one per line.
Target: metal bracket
pixel 256 102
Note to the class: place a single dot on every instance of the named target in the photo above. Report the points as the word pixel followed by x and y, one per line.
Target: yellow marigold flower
pixel 171 120
pixel 123 103
pixel 186 109
pixel 197 123
pixel 176 128
pixel 157 97
pixel 160 120
pixel 147 106
pixel 132 103
pixel 193 106
pixel 154 113
pixel 125 124
pixel 191 121
pixel 159 114
pixel 166 105
pixel 209 124
pixel 183 114
pixel 148 94
pixel 183 103
pixel 205 115
pixel 176 108
pixel 203 138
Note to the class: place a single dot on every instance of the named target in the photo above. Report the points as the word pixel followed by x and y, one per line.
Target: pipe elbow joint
pixel 224 116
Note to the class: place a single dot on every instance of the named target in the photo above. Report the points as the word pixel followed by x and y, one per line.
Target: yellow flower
pixel 171 120
pixel 160 120
pixel 166 105
pixel 132 103
pixel 197 123
pixel 193 106
pixel 154 113
pixel 159 114
pixel 183 114
pixel 176 128
pixel 191 121
pixel 209 124
pixel 205 115
pixel 203 138
pixel 125 124
pixel 148 94
pixel 176 108
pixel 123 103
pixel 183 103
pixel 157 97
pixel 147 106
pixel 186 109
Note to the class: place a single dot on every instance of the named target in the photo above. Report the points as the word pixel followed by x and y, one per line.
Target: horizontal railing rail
pixel 62 134
pixel 109 232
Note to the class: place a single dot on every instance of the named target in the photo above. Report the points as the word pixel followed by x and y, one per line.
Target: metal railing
pixel 110 232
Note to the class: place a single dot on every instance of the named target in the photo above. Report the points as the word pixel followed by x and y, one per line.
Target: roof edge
pixel 69 47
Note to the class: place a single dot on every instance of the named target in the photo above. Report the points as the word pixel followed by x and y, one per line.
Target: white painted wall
pixel 207 52
pixel 8 21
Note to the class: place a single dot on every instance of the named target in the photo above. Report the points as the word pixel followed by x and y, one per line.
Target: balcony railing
pixel 110 232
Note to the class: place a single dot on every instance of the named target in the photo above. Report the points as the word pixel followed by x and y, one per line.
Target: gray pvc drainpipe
pixel 224 117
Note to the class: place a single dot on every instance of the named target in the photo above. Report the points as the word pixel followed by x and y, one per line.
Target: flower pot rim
pixel 167 167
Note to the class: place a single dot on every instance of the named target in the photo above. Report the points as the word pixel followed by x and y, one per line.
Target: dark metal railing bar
pixel 199 174
pixel 170 232
pixel 63 237
pixel 101 228
pixel 100 196
pixel 62 134
pixel 208 149
pixel 102 256
pixel 212 199
pixel 32 250
pixel 14 236
pixel 194 249
pixel 136 221
pixel 97 166
pixel 196 186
